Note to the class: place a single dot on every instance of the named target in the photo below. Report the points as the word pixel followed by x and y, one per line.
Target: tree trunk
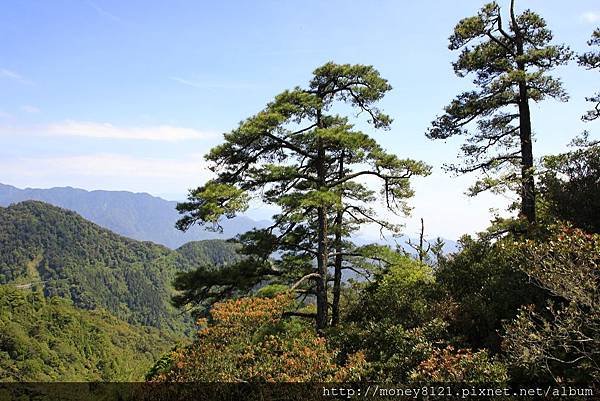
pixel 525 134
pixel 337 275
pixel 422 252
pixel 527 173
pixel 322 254
pixel 322 306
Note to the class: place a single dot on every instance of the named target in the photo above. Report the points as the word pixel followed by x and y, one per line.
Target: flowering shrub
pixel 459 366
pixel 250 340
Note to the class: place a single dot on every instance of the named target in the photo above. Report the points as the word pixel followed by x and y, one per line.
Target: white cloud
pixel 107 171
pixel 103 12
pixel 121 165
pixel 88 129
pixel 30 109
pixel 213 84
pixel 591 17
pixel 4 114
pixel 8 74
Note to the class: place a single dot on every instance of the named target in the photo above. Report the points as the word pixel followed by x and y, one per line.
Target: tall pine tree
pixel 311 163
pixel 510 63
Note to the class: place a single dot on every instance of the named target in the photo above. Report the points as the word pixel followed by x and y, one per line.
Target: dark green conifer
pixel 510 62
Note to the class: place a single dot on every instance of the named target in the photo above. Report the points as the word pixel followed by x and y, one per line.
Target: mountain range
pixel 138 216
pixel 144 217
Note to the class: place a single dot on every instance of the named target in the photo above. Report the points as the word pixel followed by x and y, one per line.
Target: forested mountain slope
pixel 45 339
pixel 73 258
pixel 80 303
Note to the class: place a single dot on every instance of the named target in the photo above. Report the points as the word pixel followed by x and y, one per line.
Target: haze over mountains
pixel 138 216
pixel 144 217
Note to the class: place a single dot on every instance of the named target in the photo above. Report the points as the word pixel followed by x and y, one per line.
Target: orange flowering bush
pixel 250 340
pixel 459 366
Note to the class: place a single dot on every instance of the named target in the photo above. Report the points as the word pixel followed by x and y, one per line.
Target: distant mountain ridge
pixel 139 216
pixel 144 217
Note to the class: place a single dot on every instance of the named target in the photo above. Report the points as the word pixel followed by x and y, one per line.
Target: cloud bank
pixel 591 17
pixel 86 129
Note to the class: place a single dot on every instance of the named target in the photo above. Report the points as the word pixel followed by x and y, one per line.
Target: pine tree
pixel 312 164
pixel 510 63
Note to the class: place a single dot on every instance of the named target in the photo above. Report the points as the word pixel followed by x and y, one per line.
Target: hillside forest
pixel 298 299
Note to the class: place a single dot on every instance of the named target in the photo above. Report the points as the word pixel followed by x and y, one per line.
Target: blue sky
pixel 129 95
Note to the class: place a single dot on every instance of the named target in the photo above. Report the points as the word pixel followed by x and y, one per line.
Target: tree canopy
pixel 591 60
pixel 570 185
